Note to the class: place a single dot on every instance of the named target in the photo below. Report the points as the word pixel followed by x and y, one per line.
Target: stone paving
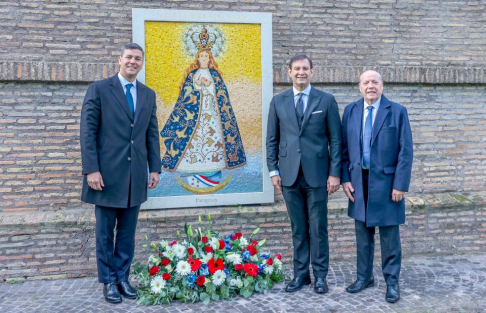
pixel 438 284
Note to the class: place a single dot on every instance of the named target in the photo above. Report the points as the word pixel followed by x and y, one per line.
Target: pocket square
pixel 315 112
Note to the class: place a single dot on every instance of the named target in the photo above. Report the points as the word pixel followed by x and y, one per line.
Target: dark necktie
pixel 299 108
pixel 367 138
pixel 130 99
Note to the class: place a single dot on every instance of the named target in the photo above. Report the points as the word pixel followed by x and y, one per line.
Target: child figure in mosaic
pixel 201 135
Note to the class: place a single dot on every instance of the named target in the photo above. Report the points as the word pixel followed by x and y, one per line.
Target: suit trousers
pixel 391 250
pixel 307 209
pixel 114 255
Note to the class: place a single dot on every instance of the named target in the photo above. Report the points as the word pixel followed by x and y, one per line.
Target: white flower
pixel 205 258
pixel 236 282
pixel 219 277
pixel 183 268
pixel 268 269
pixel 164 243
pixel 243 241
pixel 179 250
pixel 169 268
pixel 157 284
pixel 239 283
pixel 277 263
pixel 169 253
pixel 254 258
pixel 234 258
pixel 152 259
pixel 214 243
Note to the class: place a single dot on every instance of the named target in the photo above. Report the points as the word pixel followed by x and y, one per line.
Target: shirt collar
pixel 306 91
pixel 124 82
pixel 375 105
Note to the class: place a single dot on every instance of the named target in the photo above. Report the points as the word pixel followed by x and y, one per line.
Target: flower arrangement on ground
pixel 205 266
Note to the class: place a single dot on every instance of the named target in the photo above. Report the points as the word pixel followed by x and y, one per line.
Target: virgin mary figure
pixel 201 135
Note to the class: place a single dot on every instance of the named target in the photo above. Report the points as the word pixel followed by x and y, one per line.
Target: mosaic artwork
pixel 208 81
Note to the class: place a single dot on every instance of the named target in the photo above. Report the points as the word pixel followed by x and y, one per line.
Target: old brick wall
pixel 431 54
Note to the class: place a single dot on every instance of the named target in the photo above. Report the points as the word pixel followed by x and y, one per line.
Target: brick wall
pixel 431 54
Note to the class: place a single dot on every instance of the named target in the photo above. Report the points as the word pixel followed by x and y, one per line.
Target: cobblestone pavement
pixel 441 284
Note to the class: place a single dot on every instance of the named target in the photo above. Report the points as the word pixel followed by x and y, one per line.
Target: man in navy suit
pixel 304 161
pixel 119 143
pixel 375 174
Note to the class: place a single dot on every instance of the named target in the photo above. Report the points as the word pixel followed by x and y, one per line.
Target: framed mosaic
pixel 212 74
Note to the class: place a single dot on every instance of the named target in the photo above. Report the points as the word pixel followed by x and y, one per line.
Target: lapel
pixel 141 93
pixel 289 106
pixel 356 117
pixel 313 101
pixel 383 111
pixel 117 90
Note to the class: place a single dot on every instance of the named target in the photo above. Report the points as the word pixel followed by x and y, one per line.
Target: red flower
pixel 165 262
pixel 251 249
pixel 173 243
pixel 238 267
pixel 154 270
pixel 166 276
pixel 254 243
pixel 208 249
pixel 200 280
pixel 214 266
pixel 238 235
pixel 160 254
pixel 233 237
pixel 195 264
pixel 204 239
pixel 251 269
pixel 221 245
pixel 190 251
pixel 278 256
pixel 269 261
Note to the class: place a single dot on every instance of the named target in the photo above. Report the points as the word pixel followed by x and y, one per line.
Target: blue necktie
pixel 367 138
pixel 130 99
pixel 300 110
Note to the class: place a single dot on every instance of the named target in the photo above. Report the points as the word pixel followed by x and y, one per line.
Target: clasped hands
pixel 95 181
pixel 397 195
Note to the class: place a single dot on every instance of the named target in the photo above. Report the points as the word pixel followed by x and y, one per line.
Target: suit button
pixel 131 125
pixel 298 150
pixel 359 163
pixel 129 158
pixel 131 142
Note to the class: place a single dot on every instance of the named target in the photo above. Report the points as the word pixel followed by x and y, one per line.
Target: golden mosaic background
pixel 166 60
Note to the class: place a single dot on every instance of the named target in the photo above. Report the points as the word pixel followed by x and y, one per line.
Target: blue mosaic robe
pixel 181 125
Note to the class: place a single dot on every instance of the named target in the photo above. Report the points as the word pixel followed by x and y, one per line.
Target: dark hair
pixel 131 46
pixel 298 57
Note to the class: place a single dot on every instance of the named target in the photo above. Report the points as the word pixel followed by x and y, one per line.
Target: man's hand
pixel 277 183
pixel 333 184
pixel 95 181
pixel 349 190
pixel 397 195
pixel 153 180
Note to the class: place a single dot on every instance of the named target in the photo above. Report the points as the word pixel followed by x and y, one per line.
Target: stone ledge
pixel 89 72
pixel 336 206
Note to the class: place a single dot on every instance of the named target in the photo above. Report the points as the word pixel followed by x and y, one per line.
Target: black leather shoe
pixel 392 293
pixel 320 285
pixel 127 291
pixel 297 283
pixel 111 293
pixel 360 285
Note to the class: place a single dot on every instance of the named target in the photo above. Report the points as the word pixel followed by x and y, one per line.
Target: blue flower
pixel 226 271
pixel 246 255
pixel 191 279
pixel 204 270
pixel 260 268
pixel 264 256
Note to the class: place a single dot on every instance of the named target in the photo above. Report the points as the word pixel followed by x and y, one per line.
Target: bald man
pixel 375 174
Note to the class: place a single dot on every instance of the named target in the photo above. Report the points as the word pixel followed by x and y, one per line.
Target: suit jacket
pixel 317 146
pixel 118 146
pixel 391 162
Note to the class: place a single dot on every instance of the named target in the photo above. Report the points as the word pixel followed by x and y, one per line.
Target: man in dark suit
pixel 304 160
pixel 376 170
pixel 119 142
